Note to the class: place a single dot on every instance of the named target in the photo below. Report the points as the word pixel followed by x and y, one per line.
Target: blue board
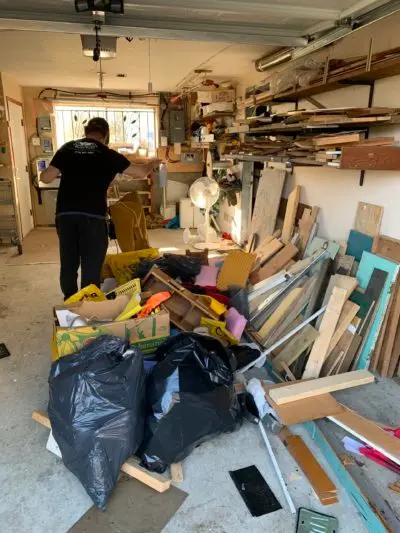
pixel 367 265
pixel 358 243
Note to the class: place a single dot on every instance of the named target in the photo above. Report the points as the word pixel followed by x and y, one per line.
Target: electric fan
pixel 204 193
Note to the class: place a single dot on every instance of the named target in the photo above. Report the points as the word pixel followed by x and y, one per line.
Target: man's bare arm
pixel 140 170
pixel 49 175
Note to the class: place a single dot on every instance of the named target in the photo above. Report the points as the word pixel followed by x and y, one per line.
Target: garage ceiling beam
pixel 239 7
pixel 154 28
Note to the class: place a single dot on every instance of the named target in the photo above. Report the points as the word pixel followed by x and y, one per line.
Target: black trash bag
pixel 177 266
pixel 244 355
pixel 97 411
pixel 191 399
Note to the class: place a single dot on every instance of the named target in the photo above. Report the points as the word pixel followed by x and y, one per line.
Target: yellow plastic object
pixel 123 265
pixel 129 288
pixel 213 304
pixel 132 308
pixel 218 329
pixel 91 292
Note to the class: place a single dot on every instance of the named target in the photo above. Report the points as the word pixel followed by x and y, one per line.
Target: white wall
pixel 336 191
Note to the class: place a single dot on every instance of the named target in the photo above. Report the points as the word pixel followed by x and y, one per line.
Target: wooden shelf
pixel 382 68
pixel 212 116
pixel 371 158
pixel 294 129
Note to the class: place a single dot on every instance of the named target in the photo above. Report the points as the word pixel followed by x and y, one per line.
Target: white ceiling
pixel 41 46
pixel 56 60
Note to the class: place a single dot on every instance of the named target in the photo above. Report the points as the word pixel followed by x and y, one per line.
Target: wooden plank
pixel 288 372
pixel 348 283
pixel 368 264
pixel 334 357
pixel 371 157
pixel 176 472
pixel 346 364
pixel 370 433
pixel 305 410
pixel 266 251
pixel 281 311
pixel 311 389
pixel 294 312
pixel 337 140
pixel 327 328
pixel 343 264
pixel 322 485
pixel 290 215
pixel 306 224
pixel 295 347
pixel 42 417
pixel 266 206
pixel 156 481
pixel 316 296
pixel 388 247
pixel 275 264
pixel 368 219
pixel 131 467
pixel 388 366
pixel 349 311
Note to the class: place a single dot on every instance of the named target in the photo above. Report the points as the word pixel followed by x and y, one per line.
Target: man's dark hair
pixel 97 125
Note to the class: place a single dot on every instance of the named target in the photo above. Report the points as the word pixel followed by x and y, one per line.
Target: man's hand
pixel 49 175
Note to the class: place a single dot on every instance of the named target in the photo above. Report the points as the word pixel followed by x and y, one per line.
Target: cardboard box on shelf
pixel 218 107
pixel 144 333
pixel 216 95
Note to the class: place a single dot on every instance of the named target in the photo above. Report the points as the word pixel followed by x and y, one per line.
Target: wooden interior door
pixel 20 166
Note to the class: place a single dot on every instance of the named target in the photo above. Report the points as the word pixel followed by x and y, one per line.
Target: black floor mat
pixel 254 490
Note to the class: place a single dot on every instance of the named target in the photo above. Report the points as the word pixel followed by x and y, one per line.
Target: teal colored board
pixel 367 265
pixel 368 516
pixel 358 243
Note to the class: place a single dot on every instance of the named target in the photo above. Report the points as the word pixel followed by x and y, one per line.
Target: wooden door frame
pixel 20 104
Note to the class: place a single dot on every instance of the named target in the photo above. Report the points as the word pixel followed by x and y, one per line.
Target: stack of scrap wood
pixel 319 307
pixel 330 137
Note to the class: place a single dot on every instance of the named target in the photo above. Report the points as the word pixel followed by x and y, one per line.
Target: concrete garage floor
pixel 39 495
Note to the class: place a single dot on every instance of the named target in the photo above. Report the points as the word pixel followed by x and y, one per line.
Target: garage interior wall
pixel 337 192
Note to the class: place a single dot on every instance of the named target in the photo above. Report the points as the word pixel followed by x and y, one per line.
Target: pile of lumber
pixel 334 137
pixel 318 307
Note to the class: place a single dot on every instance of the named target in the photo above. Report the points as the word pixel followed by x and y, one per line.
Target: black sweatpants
pixel 83 242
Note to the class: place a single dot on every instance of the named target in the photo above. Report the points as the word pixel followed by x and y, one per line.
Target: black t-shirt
pixel 87 168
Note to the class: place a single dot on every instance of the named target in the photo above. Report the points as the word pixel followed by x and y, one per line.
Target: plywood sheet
pixel 368 219
pixel 290 215
pixel 315 387
pixel 267 202
pixel 320 350
pixel 305 410
pixel 387 247
pixel 235 270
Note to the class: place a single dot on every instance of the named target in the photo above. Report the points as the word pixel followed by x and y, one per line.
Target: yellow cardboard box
pixel 145 333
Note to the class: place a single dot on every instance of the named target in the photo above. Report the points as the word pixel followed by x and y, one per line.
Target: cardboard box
pixel 218 107
pixel 144 333
pixel 217 95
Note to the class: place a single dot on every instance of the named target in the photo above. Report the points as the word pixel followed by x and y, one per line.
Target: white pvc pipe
pixel 277 469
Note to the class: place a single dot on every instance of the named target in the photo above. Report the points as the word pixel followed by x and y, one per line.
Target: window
pixel 132 128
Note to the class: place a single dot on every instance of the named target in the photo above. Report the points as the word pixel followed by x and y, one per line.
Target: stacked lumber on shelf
pixel 331 137
pixel 355 287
